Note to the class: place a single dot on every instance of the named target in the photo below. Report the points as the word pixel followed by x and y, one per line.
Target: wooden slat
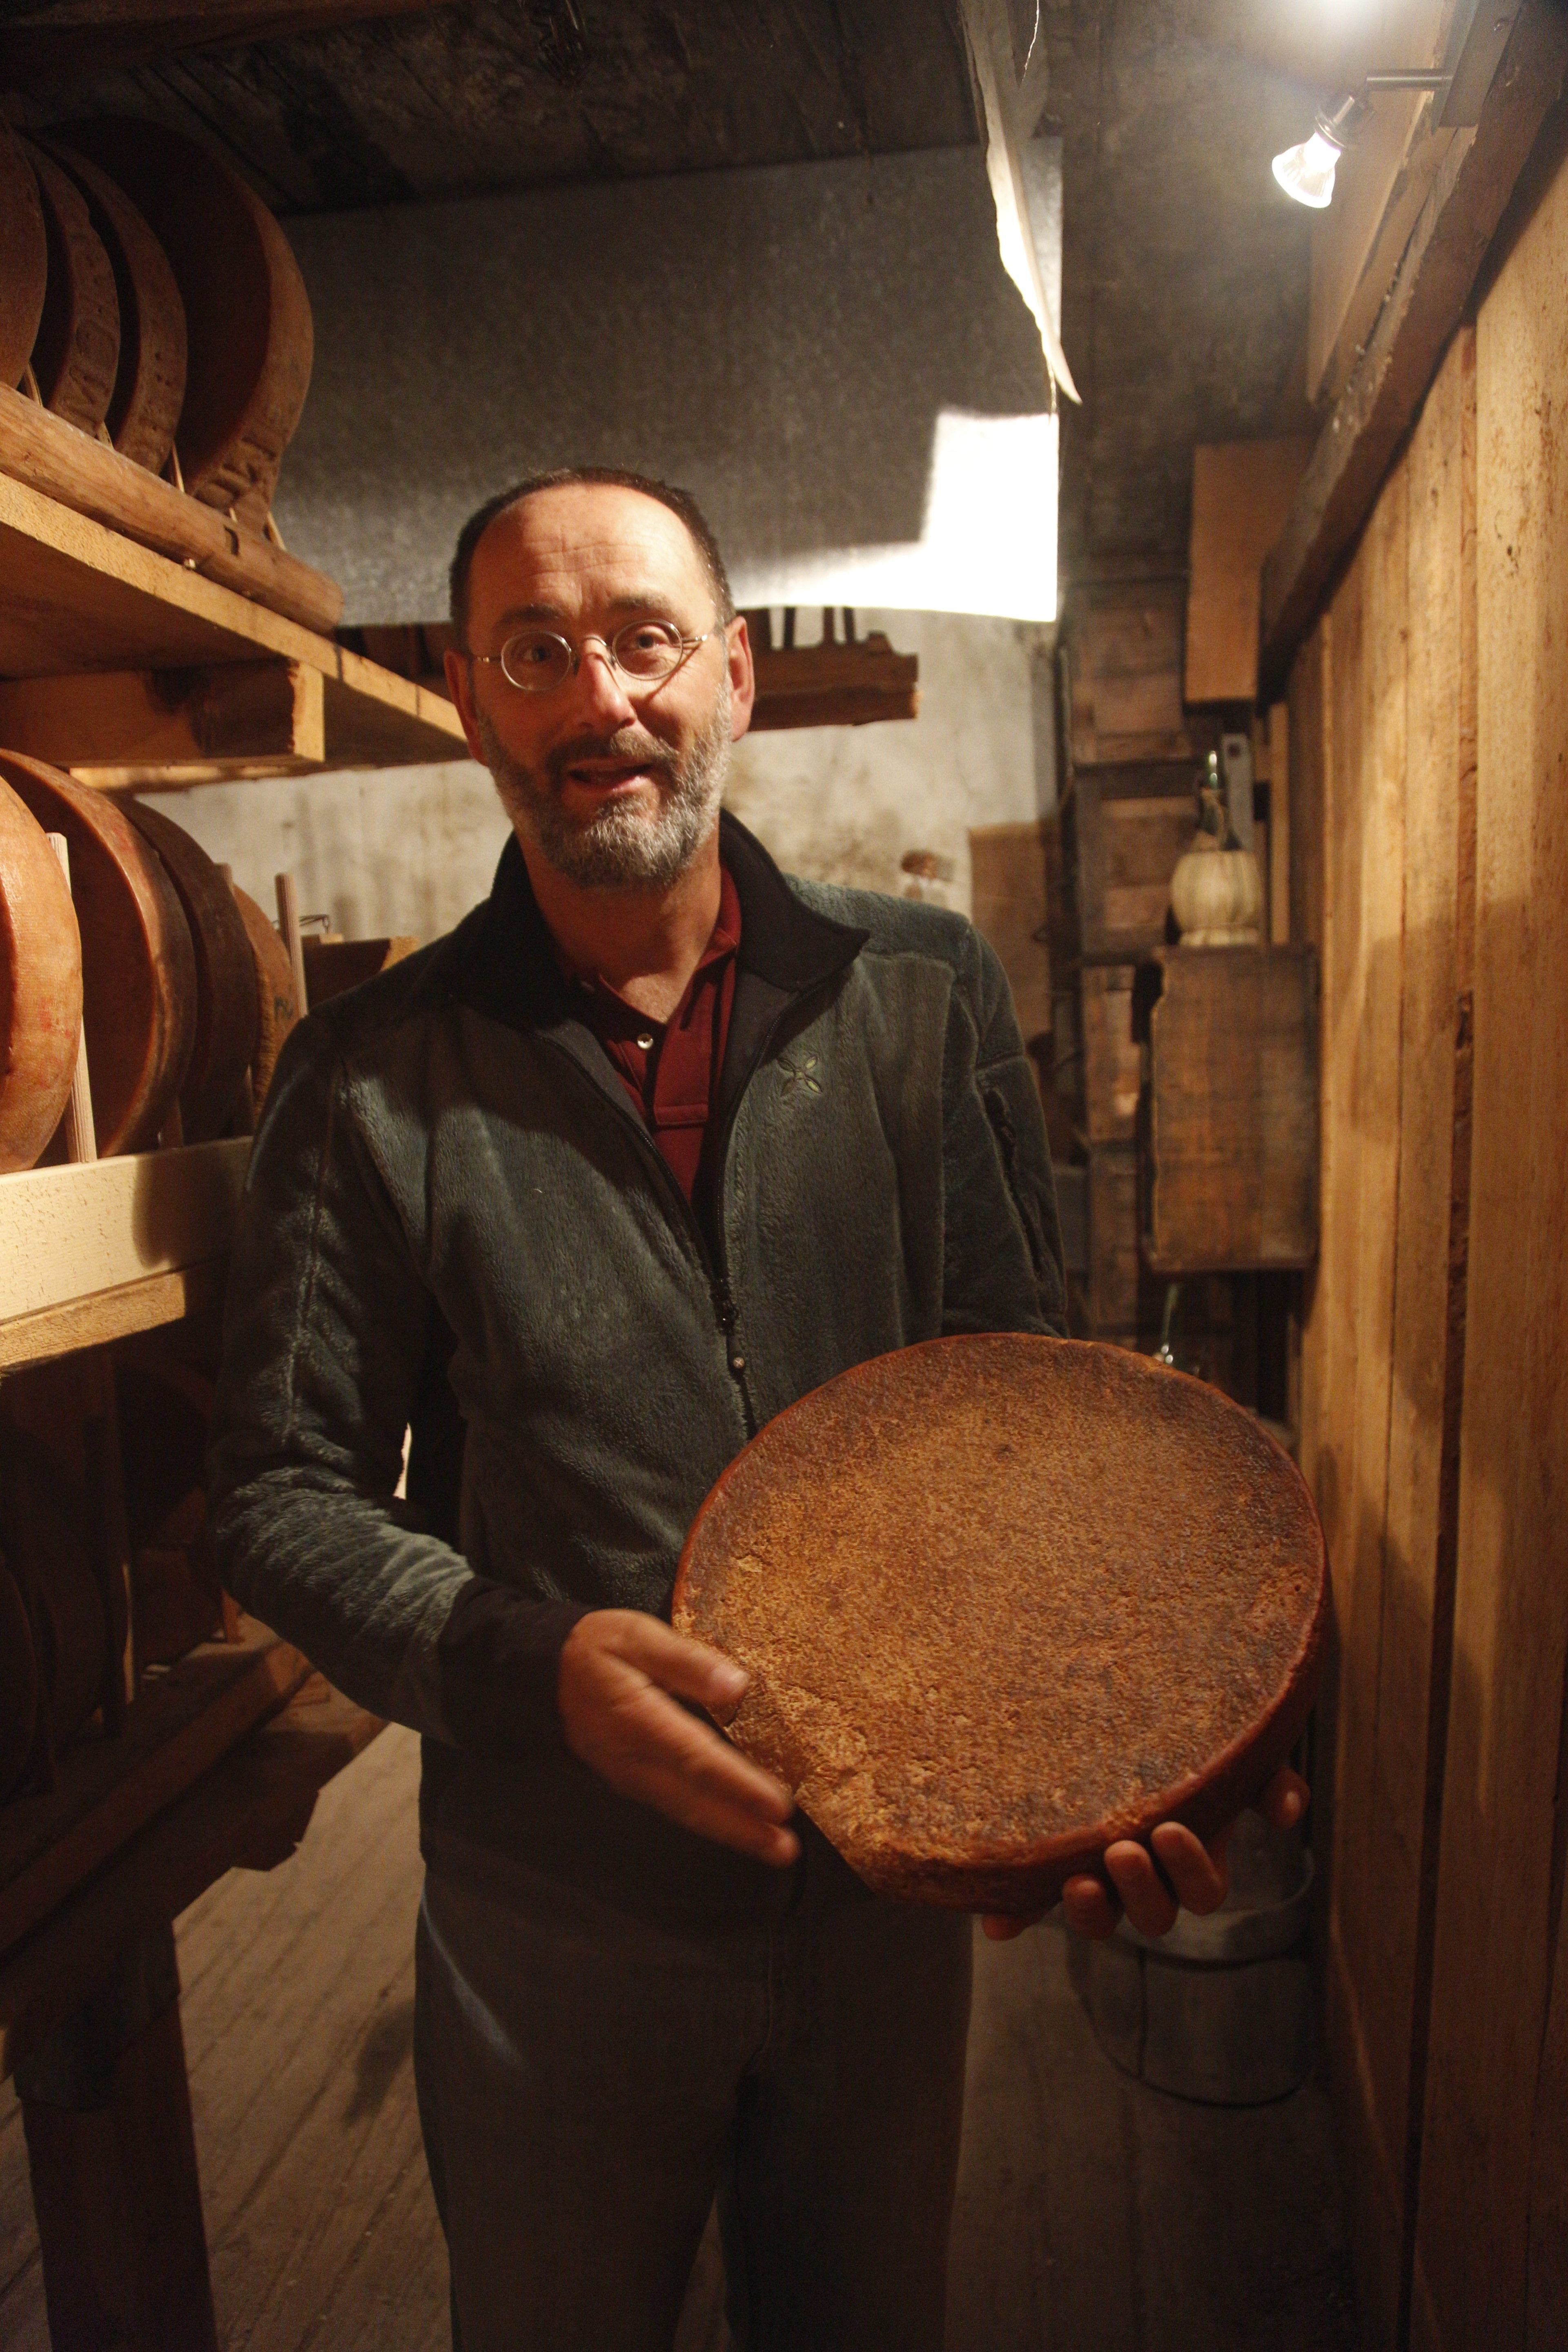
pixel 1279 825
pixel 1007 892
pixel 1112 1064
pixel 42 451
pixel 1242 493
pixel 108 1315
pixel 155 724
pixel 79 597
pixel 68 1234
pixel 108 1788
pixel 59 44
pixel 1425 306
pixel 1504 1821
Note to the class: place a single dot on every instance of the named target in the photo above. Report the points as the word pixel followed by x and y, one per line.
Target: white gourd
pixel 1217 890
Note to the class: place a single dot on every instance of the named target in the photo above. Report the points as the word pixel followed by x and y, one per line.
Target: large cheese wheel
pixel 76 354
pixel 150 380
pixel 1006 1600
pixel 248 316
pixel 227 1015
pixel 24 258
pixel 40 986
pixel 139 969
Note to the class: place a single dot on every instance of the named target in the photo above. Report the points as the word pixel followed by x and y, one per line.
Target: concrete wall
pixel 780 340
pixel 412 849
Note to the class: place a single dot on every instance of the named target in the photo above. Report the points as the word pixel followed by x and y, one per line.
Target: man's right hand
pixel 621 1674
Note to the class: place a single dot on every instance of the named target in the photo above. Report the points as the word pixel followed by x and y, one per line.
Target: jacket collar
pixel 509 968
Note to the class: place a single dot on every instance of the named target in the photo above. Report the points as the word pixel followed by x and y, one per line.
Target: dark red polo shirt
pixel 671 1068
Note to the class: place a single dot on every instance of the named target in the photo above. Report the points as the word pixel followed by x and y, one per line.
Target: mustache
pixel 628 743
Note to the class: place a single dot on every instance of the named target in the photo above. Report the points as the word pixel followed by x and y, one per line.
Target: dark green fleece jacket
pixel 452 1203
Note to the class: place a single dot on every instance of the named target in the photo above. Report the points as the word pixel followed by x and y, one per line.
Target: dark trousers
pixel 588 2082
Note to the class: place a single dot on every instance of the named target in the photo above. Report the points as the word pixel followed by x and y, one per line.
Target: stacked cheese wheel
pixel 181 984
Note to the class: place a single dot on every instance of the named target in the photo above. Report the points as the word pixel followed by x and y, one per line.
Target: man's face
pixel 614 788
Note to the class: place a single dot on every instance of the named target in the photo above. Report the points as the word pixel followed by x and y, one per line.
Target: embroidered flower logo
pixel 799 1075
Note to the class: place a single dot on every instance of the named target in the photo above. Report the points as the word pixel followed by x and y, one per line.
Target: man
pixel 564 1168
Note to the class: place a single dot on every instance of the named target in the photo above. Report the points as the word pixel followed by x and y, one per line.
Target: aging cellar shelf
pixel 94 1251
pixel 121 663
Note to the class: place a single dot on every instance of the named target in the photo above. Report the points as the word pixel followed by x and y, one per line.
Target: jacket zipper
pixel 715 1267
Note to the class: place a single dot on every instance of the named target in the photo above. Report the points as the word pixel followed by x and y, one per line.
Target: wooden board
pixel 875 1527
pixel 1112 1058
pixel 102 1315
pixel 1503 1834
pixel 277 997
pixel 40 986
pixel 1122 853
pixel 1242 494
pixel 1007 865
pixel 1229 1118
pixel 835 685
pixel 139 972
pixel 93 479
pixel 24 258
pixel 124 730
pixel 150 377
pixel 247 317
pixel 109 1789
pixel 74 1234
pixel 76 355
pixel 1124 665
pixel 1113 1286
pixel 331 966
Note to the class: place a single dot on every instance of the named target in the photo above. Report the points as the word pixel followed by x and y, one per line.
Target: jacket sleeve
pixel 1002 1263
pixel 325 1330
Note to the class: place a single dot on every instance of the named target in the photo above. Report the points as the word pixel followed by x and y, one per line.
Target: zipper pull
pixel 725 1308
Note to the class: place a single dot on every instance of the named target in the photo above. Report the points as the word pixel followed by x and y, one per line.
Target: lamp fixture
pixel 1477 40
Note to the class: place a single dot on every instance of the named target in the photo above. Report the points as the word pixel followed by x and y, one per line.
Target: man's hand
pixel 621 1674
pixel 1198 1874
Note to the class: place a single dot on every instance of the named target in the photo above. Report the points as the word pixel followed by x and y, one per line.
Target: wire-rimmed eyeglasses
pixel 642 655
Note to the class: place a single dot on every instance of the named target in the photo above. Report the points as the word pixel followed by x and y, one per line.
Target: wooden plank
pixel 1230 1109
pixel 1242 494
pixel 1504 1821
pixel 1124 853
pixel 79 597
pixel 52 44
pixel 152 724
pixel 1124 667
pixel 1436 279
pixel 1007 894
pixel 1113 1240
pixel 181 1722
pixel 249 1811
pixel 1279 825
pixel 1546 2285
pixel 108 1315
pixel 1113 1062
pixel 72 1233
pixel 49 454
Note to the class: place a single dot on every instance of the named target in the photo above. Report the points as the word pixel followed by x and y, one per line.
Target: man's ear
pixel 743 676
pixel 460 686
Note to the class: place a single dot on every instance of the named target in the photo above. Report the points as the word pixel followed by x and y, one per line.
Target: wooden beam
pixel 1242 492
pixel 141 724
pixel 70 38
pixel 70 1232
pixel 1435 279
pixel 51 456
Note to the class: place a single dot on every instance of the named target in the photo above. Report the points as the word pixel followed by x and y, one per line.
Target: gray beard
pixel 622 848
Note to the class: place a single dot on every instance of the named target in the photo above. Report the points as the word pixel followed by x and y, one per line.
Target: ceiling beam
pixel 53 40
pixel 1424 307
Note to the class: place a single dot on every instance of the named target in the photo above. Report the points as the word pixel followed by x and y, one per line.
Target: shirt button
pixel 737 1363
pixel 646 1041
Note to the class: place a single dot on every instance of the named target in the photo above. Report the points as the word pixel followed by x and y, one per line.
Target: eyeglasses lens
pixel 644 651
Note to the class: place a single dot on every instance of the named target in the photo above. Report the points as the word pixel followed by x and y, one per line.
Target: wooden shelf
pixel 91 624
pixel 182 1720
pixel 92 1253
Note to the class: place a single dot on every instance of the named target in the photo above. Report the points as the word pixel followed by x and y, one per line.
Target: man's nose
pixel 598 690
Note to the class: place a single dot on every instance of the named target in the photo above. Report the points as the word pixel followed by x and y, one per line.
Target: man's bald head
pixel 679 503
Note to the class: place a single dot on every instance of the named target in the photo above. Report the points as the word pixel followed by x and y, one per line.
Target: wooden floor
pixel 1094 2215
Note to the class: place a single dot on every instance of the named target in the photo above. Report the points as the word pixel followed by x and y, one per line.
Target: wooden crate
pixel 1112 1058
pixel 1228 1122
pixel 1124 675
pixel 1113 1241
pixel 1124 830
pixel 1008 884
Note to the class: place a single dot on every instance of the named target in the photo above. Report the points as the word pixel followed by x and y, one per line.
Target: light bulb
pixel 1307 172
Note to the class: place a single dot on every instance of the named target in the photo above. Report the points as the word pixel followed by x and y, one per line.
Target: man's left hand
pixel 1198 1873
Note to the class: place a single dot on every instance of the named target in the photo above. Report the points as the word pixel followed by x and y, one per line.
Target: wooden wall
pixel 1429 780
